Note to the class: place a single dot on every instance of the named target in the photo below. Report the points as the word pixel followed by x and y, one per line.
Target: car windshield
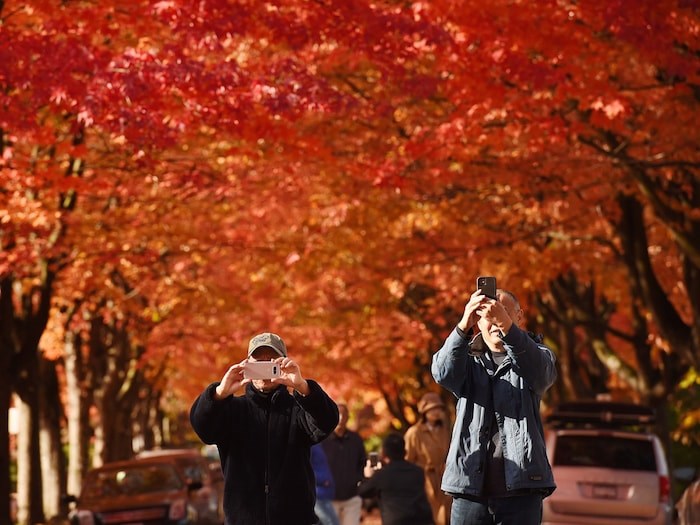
pixel 134 479
pixel 605 451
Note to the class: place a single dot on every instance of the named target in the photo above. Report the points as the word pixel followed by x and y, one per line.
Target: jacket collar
pixel 264 398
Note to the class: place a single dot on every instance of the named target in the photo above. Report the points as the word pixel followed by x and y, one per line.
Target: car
pixel 169 487
pixel 196 466
pixel 609 467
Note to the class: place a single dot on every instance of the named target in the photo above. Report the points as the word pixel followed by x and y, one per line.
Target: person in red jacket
pixel 265 437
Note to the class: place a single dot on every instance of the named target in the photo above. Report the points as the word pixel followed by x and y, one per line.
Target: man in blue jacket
pixel 265 436
pixel 497 469
pixel 325 487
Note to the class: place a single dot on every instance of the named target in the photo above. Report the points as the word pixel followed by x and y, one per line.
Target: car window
pixel 137 479
pixel 616 453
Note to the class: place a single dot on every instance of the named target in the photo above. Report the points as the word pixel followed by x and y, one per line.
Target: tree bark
pixel 27 311
pixel 6 350
pixel 29 503
pixel 77 412
pixel 53 461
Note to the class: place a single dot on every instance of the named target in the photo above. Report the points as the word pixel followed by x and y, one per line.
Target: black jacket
pixel 346 457
pixel 264 441
pixel 400 487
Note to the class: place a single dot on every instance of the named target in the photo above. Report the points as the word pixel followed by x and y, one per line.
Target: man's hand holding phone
pixel 476 300
pixel 282 370
pixel 233 380
pixel 291 376
pixel 242 373
pixel 278 371
pixel 479 302
pixel 372 465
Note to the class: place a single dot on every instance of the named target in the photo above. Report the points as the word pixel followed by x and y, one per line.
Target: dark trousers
pixel 514 510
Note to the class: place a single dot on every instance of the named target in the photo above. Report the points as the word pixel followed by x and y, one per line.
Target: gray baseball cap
pixel 270 340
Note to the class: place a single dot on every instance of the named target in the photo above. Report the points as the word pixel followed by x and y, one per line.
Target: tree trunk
pixel 77 413
pixel 6 351
pixel 29 504
pixel 5 395
pixel 114 368
pixel 53 461
pixel 118 414
pixel 25 313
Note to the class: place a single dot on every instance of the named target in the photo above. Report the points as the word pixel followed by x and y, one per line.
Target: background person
pixel 398 485
pixel 264 437
pixel 427 443
pixel 497 468
pixel 325 487
pixel 346 456
pixel 688 506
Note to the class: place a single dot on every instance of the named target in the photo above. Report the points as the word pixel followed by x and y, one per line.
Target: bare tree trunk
pixel 6 351
pixel 53 461
pixel 148 419
pixel 118 413
pixel 50 471
pixel 113 432
pixel 114 365
pixel 155 423
pixel 29 504
pixel 98 446
pixel 5 396
pixel 76 411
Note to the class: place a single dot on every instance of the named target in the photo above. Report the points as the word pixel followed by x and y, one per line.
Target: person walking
pixel 325 487
pixel 427 442
pixel 497 469
pixel 264 436
pixel 688 506
pixel 399 486
pixel 346 456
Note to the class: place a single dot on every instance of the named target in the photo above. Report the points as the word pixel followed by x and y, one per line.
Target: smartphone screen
pixel 487 285
pixel 373 459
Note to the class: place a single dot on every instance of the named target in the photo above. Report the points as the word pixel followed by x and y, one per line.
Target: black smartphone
pixel 373 459
pixel 487 285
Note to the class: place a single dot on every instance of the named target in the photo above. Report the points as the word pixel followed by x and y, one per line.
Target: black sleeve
pixel 211 418
pixel 320 413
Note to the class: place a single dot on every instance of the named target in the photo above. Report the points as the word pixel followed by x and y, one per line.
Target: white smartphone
pixel 261 370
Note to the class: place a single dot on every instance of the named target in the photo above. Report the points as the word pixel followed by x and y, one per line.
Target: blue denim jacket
pixel 515 387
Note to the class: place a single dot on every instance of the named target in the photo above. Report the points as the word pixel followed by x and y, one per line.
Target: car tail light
pixel 178 510
pixel 664 489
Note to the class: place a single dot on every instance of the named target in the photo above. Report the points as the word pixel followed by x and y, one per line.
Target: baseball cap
pixel 428 401
pixel 270 340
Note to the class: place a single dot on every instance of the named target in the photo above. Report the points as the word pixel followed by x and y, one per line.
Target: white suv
pixel 609 469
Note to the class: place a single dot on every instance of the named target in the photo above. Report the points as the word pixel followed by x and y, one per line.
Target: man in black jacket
pixel 264 437
pixel 346 456
pixel 399 485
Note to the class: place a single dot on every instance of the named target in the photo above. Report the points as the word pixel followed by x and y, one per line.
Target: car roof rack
pixel 601 414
